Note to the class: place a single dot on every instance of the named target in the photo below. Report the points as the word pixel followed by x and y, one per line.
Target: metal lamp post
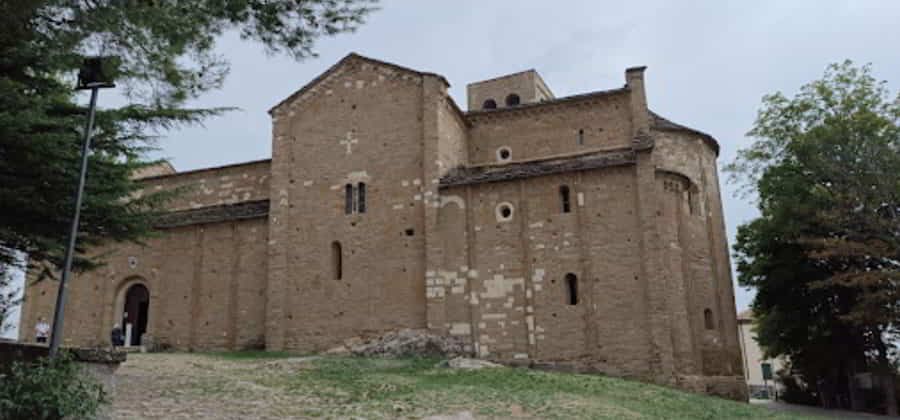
pixel 96 73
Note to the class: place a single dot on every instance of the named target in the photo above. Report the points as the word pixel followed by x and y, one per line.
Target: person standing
pixel 41 330
pixel 116 336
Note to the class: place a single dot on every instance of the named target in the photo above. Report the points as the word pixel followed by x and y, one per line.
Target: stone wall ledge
pixel 26 352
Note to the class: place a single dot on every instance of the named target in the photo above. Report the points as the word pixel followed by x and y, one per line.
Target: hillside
pixel 275 386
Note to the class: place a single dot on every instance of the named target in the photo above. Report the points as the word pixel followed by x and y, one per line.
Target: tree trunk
pixel 856 401
pixel 888 375
pixel 826 388
pixel 890 393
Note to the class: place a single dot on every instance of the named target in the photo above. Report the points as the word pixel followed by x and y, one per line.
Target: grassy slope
pixel 344 387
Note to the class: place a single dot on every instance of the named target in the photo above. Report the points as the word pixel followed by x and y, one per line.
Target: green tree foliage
pixel 48 389
pixel 167 54
pixel 167 46
pixel 824 256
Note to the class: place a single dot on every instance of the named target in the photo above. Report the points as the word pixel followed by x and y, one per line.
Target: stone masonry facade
pixel 583 233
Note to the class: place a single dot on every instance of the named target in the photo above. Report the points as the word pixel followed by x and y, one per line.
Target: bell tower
pixel 508 91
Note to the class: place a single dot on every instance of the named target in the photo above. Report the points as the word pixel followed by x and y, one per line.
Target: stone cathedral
pixel 583 232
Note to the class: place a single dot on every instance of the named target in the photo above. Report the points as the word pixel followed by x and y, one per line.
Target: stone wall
pixel 512 272
pixel 205 271
pixel 551 128
pixel 452 147
pixel 528 85
pixel 643 242
pixel 706 268
pixel 206 283
pixel 361 123
pixel 228 184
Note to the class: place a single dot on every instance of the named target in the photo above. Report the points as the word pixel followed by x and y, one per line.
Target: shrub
pixel 796 392
pixel 48 389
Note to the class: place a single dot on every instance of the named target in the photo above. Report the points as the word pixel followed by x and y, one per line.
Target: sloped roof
pixel 214 214
pixel 660 123
pixel 348 58
pixel 518 170
pixel 207 169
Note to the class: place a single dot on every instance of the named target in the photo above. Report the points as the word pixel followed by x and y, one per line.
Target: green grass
pixel 414 387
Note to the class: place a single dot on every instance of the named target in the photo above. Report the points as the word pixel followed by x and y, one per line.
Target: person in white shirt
pixel 42 330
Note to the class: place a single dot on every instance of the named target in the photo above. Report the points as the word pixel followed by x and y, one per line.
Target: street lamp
pixel 96 73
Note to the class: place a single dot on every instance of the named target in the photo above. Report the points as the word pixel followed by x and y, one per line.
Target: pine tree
pixel 167 56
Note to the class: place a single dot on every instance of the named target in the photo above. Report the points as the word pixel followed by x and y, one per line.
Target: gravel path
pixel 186 386
pixel 814 411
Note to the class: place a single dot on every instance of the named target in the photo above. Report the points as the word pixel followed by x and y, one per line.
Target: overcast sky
pixel 709 62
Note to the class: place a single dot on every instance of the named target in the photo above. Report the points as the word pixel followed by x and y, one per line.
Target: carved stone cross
pixel 349 142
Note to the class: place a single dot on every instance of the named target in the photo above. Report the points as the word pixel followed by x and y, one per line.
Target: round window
pixel 504 154
pixel 504 212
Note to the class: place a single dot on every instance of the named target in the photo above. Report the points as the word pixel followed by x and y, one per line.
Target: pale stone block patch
pixel 460 328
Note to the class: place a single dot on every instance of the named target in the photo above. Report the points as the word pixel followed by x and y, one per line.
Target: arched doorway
pixel 135 312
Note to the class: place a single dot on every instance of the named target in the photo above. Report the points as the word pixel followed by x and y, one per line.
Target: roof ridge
pixel 662 123
pixel 399 67
pixel 209 168
pixel 342 61
pixel 504 76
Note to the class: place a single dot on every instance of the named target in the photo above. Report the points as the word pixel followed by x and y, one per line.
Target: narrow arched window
pixel 337 260
pixel 361 198
pixel 581 137
pixel 348 199
pixel 571 289
pixel 512 99
pixel 708 319
pixel 564 198
pixel 489 104
pixel 692 197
